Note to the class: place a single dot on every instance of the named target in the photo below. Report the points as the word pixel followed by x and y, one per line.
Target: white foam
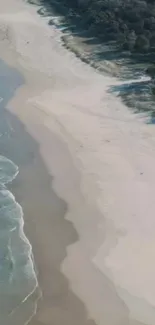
pixel 30 271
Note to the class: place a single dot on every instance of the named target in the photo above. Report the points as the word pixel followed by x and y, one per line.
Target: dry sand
pixel 92 227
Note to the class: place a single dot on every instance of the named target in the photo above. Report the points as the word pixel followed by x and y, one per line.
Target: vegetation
pixel 131 23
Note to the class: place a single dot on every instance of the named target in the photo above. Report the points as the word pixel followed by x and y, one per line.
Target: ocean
pixel 18 281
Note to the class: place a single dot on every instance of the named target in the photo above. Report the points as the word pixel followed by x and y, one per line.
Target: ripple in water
pixel 18 282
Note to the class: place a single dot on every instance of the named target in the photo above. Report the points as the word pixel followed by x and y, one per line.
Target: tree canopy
pixel 131 23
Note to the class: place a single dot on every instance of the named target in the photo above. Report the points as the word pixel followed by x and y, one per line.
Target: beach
pixel 86 181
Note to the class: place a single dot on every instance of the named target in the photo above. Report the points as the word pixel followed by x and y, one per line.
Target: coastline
pixel 44 214
pixel 92 158
pixel 18 282
pixel 60 303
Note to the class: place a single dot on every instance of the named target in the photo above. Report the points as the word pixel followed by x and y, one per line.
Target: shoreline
pixel 92 148
pixel 61 295
pixel 19 303
pixel 33 191
pixel 54 285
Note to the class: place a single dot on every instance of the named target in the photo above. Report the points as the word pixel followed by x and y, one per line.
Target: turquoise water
pixel 18 280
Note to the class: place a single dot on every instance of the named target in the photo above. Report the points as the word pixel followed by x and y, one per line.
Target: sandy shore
pixel 88 188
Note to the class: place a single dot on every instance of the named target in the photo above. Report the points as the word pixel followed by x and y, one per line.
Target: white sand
pixel 111 203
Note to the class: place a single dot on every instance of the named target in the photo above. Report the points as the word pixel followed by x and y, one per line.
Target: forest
pixel 127 28
pixel 130 23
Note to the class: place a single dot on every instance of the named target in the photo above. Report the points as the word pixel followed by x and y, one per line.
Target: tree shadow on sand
pixel 138 96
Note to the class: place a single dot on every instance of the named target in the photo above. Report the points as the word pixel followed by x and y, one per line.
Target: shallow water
pixel 18 280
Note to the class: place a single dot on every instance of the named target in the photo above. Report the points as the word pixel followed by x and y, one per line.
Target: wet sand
pixel 46 226
pixel 51 234
pixel 44 216
pixel 48 231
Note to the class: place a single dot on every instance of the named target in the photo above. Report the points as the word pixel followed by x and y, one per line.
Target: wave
pixel 18 280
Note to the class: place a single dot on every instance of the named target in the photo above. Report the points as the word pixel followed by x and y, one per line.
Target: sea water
pixel 18 281
pixel 17 275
